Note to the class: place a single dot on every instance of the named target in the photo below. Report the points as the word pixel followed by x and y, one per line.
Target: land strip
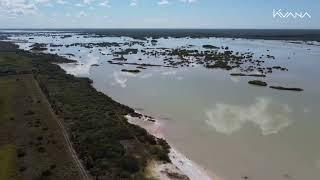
pixel 89 121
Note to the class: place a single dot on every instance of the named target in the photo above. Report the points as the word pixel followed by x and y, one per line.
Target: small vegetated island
pixel 36 95
pixel 258 83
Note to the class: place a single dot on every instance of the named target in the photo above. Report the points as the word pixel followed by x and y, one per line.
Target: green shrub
pixel 130 163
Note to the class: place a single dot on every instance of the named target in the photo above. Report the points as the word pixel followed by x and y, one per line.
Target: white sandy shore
pixel 181 166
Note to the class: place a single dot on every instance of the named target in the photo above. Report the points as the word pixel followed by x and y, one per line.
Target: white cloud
pixel 166 2
pixel 188 1
pixel 105 4
pixel 82 69
pixel 145 76
pixel 13 8
pixel 42 1
pixel 269 116
pixel 48 5
pixel 121 78
pixel 17 7
pixel 62 2
pixel 133 3
pixel 79 5
pixel 235 79
pixel 87 1
pixel 167 73
pixel 163 2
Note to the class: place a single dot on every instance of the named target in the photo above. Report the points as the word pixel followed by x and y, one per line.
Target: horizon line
pixel 172 28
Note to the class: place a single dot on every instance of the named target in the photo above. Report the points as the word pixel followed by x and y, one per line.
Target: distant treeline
pixel 268 34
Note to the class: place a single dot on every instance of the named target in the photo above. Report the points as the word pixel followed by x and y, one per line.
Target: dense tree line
pixel 108 145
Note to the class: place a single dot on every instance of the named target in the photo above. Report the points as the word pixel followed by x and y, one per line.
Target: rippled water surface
pixel 231 128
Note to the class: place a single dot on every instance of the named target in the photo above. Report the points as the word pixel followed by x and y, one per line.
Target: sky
pixel 203 14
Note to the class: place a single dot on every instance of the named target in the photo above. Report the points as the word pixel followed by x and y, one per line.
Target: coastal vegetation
pixel 286 88
pixel 210 47
pixel 262 83
pixel 108 146
pixel 131 70
pixel 8 162
pixel 39 47
pixel 143 34
pixel 244 63
pixel 258 83
pixel 31 144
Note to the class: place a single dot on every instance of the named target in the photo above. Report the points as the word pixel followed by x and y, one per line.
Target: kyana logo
pixel 280 14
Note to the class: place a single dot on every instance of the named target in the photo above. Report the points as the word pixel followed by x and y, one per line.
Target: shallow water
pixel 227 126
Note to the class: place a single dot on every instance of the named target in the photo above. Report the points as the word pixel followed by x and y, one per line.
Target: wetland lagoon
pixel 197 90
